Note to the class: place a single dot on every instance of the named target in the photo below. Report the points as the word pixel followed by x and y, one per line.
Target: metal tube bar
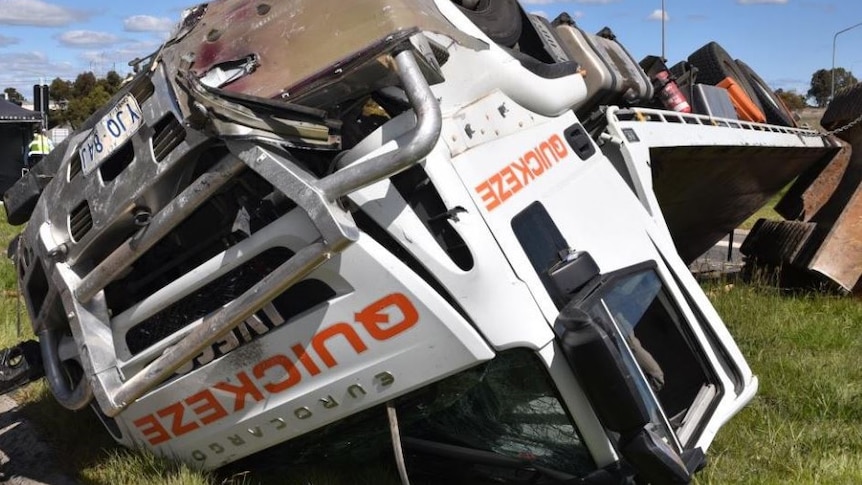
pixel 429 123
pixel 163 222
pixel 76 398
pixel 422 140
pixel 216 324
pixel 663 22
pixel 194 279
pixel 730 246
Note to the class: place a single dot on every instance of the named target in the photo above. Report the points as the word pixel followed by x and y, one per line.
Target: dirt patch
pixel 810 117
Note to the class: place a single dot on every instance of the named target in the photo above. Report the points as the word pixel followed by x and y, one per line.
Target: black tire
pixel 714 64
pixel 845 107
pixel 498 19
pixel 679 69
pixel 773 107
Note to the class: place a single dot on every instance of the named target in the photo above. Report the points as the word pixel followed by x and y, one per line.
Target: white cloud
pixel 118 57
pixel 147 23
pixel 754 2
pixel 5 41
pixel 22 70
pixel 659 15
pixel 37 13
pixel 138 49
pixel 86 38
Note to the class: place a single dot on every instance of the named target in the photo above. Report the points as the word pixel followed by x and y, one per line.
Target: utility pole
pixel 834 42
pixel 663 17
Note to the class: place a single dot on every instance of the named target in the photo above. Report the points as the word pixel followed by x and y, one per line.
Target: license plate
pixel 109 134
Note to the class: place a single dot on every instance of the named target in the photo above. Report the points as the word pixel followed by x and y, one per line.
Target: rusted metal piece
pixel 839 257
pixel 815 187
pixel 828 200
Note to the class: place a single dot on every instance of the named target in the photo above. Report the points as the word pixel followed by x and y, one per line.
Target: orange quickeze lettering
pixel 511 179
pixel 382 320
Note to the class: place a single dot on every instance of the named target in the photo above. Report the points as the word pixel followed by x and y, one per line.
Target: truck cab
pixel 266 240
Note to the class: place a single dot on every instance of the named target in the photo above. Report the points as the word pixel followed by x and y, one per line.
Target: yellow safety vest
pixel 41 145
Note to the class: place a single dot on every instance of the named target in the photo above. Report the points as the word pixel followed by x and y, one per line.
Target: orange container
pixel 745 107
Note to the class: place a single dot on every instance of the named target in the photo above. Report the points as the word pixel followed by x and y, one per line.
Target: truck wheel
pixel 498 19
pixel 845 107
pixel 773 107
pixel 714 64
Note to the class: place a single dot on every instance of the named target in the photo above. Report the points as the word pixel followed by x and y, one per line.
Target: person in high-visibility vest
pixel 40 146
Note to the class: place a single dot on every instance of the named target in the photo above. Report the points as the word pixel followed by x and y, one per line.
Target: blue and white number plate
pixel 114 129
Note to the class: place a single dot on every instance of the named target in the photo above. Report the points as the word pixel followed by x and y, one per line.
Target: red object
pixel 669 93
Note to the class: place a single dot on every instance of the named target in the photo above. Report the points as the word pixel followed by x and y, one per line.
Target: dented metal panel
pixel 288 49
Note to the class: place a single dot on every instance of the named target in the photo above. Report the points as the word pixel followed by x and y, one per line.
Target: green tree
pixel 821 84
pixel 77 100
pixel 113 81
pixel 13 95
pixel 792 99
pixel 82 107
pixel 60 90
pixel 84 83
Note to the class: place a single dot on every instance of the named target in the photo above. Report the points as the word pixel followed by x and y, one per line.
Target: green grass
pixel 804 424
pixel 803 427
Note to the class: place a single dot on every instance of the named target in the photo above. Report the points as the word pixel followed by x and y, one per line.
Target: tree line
pixel 74 101
pixel 820 91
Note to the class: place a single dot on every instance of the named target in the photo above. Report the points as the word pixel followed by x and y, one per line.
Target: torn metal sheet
pixel 304 51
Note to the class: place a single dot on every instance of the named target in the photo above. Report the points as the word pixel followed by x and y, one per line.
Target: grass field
pixel 804 424
pixel 803 427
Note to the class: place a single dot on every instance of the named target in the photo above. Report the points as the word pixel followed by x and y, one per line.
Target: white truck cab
pixel 270 241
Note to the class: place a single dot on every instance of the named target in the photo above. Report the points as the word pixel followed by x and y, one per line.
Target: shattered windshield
pixel 508 406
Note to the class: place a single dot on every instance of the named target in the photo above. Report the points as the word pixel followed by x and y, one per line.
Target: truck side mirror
pixel 612 390
pixel 574 270
pixel 654 459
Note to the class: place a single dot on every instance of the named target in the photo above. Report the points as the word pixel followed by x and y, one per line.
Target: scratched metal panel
pixel 298 42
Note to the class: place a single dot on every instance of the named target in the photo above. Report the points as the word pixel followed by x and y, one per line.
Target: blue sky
pixel 785 41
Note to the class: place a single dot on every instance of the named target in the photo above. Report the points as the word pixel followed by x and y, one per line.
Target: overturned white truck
pixel 302 216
